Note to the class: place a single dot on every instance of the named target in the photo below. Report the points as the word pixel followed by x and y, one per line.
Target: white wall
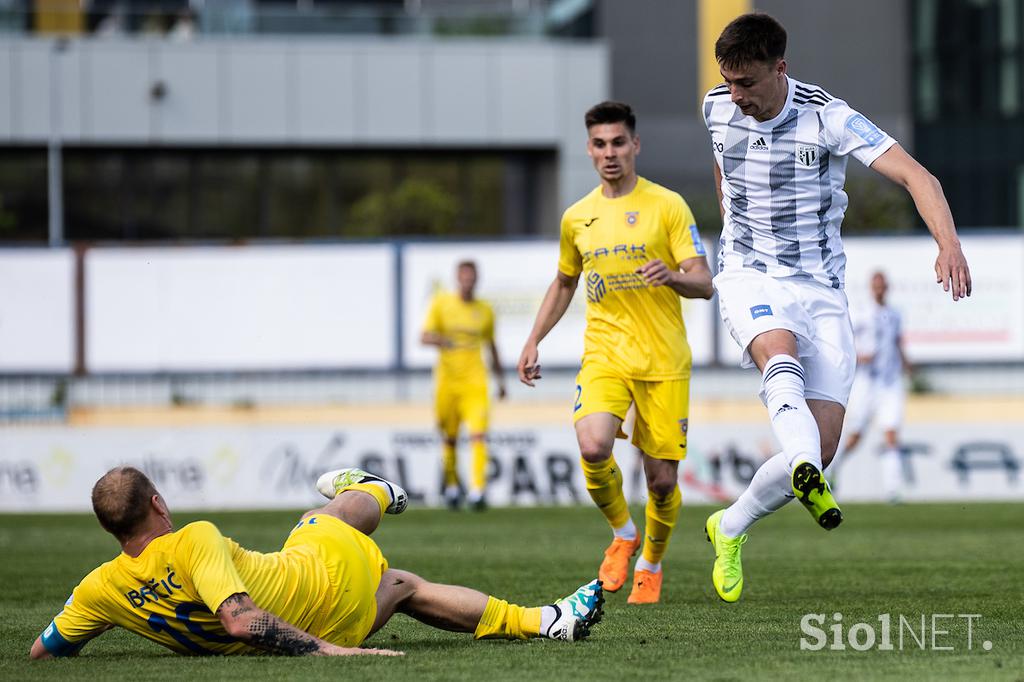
pixel 37 314
pixel 334 306
pixel 344 92
pixel 231 308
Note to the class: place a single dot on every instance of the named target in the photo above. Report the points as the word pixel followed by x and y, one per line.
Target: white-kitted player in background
pixel 878 391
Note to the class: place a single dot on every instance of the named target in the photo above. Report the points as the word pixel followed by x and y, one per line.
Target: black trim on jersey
pixel 810 92
pixel 816 101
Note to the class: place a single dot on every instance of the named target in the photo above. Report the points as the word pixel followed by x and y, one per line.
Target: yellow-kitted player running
pixel 460 325
pixel 636 246
pixel 197 592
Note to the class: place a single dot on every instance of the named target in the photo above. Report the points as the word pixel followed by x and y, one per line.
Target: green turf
pixel 910 560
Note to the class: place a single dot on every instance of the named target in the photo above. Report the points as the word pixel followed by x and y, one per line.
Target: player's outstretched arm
pixel 951 270
pixel 552 308
pixel 52 644
pixel 249 623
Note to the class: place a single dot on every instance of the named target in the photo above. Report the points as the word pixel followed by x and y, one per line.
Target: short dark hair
pixel 611 112
pixel 471 264
pixel 120 500
pixel 748 38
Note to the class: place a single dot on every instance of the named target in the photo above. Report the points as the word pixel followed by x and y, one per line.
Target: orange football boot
pixel 615 567
pixel 646 587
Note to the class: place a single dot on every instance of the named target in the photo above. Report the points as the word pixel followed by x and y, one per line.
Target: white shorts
pixel 873 399
pixel 753 303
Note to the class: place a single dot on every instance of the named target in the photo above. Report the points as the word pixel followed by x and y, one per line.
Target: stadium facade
pixel 249 120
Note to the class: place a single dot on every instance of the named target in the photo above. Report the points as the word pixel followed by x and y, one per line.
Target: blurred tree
pixel 878 206
pixel 706 212
pixel 415 207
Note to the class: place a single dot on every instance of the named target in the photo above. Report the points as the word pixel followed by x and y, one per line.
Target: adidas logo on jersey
pixel 759 145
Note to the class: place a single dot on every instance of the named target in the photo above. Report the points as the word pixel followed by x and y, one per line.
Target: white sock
pixel 792 422
pixel 547 618
pixel 892 474
pixel 643 564
pixel 769 491
pixel 626 532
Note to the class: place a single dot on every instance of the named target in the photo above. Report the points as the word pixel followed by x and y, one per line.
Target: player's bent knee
pixel 595 450
pixel 399 585
pixel 662 487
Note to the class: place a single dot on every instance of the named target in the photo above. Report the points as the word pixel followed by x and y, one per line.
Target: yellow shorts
pixel 662 408
pixel 455 403
pixel 354 566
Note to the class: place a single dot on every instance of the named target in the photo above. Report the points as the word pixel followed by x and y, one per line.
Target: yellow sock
pixel 604 483
pixel 378 492
pixel 501 620
pixel 479 481
pixel 451 473
pixel 662 513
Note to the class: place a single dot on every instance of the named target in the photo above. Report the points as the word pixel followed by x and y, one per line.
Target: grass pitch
pixel 905 561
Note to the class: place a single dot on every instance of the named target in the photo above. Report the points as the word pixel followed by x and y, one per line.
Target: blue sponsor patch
pixel 760 311
pixel 698 245
pixel 864 129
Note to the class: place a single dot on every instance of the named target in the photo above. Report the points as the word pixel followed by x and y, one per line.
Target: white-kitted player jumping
pixel 781 148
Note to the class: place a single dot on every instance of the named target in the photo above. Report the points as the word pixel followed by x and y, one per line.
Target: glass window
pixel 228 194
pixel 23 195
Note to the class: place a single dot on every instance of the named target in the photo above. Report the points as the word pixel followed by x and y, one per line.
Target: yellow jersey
pixel 468 325
pixel 170 593
pixel 632 328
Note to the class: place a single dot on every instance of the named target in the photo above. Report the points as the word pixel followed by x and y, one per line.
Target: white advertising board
pixel 37 314
pixel 514 278
pixel 268 467
pixel 240 308
pixel 985 327
pixel 988 326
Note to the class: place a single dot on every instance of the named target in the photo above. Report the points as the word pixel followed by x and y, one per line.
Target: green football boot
pixel 727 575
pixel 811 488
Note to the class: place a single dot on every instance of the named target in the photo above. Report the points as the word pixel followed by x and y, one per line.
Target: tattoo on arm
pixel 271 633
pixel 267 631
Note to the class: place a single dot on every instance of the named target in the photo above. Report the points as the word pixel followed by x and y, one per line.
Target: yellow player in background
pixel 460 326
pixel 197 592
pixel 636 245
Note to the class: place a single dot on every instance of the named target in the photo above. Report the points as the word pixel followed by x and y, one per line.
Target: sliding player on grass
pixel 195 591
